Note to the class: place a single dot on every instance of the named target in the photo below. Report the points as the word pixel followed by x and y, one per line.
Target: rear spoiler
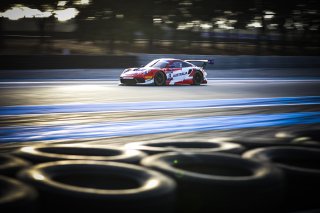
pixel 204 62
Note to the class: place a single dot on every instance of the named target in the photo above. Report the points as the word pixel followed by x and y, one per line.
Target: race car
pixel 167 71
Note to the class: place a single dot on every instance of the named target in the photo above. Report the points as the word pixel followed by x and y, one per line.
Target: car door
pixel 186 69
pixel 177 74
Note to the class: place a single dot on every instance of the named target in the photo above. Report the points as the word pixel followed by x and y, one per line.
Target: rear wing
pixel 203 62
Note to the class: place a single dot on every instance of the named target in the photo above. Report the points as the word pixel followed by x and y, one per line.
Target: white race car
pixel 167 71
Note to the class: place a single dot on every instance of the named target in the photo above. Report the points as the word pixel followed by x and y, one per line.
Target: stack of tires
pixel 309 137
pixel 73 178
pixel 212 176
pixel 15 196
pixel 301 167
pixel 297 155
pixel 183 176
pixel 299 160
pixel 185 146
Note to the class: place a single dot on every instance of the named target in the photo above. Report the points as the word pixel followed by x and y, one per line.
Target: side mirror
pixel 141 65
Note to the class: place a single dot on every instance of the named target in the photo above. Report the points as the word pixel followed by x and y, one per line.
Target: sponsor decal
pixel 169 75
pixel 180 74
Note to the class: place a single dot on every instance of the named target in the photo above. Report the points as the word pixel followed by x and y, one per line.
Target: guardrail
pixel 243 61
pixel 106 61
pixel 66 61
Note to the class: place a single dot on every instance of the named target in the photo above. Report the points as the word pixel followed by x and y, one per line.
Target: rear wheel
pixel 159 79
pixel 197 78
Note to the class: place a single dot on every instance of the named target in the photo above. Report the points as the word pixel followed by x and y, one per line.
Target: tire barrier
pixel 6 150
pixel 220 182
pixel 10 165
pixel 16 197
pixel 9 148
pixel 182 146
pixel 308 137
pixel 301 167
pixel 258 142
pixel 96 186
pixel 55 152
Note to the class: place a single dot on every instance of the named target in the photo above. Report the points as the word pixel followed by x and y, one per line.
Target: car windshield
pixel 157 64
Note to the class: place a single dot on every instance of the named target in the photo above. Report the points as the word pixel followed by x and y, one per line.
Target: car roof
pixel 174 59
pixel 169 59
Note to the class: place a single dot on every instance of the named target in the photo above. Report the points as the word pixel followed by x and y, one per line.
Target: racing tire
pixel 197 78
pixel 220 182
pixel 16 197
pixel 311 136
pixel 258 142
pixel 159 79
pixel 56 152
pixel 10 165
pixel 4 149
pixel 185 146
pixel 301 167
pixel 96 186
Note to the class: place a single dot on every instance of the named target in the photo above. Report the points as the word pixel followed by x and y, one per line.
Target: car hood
pixel 133 71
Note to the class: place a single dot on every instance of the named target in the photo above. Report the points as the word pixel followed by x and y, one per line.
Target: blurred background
pixel 120 27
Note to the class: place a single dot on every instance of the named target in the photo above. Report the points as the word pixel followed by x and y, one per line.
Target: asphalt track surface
pixel 102 112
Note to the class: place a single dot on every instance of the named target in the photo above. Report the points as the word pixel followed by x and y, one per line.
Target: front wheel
pixel 197 78
pixel 159 79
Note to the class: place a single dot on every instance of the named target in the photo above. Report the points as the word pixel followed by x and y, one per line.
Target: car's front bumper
pixel 133 80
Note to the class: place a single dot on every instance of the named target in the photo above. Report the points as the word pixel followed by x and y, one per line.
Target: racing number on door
pixel 169 75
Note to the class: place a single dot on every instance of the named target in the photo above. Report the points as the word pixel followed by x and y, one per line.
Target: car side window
pixel 176 64
pixel 184 64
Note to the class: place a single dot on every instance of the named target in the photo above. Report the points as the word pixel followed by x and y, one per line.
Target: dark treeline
pixel 294 22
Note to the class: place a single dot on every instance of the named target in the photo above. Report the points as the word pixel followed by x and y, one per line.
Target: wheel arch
pixel 164 74
pixel 202 77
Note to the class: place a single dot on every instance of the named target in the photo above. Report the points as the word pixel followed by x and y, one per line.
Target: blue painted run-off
pixel 157 105
pixel 141 127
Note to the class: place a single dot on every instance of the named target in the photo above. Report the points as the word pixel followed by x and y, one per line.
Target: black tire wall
pixel 56 152
pixel 16 197
pixel 185 146
pixel 11 165
pixel 301 167
pixel 220 182
pixel 95 186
